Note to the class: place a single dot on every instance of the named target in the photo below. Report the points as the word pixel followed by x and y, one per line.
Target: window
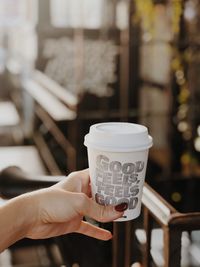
pixel 77 13
pixel 15 12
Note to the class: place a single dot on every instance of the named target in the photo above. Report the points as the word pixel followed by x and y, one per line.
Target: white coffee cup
pixel 117 155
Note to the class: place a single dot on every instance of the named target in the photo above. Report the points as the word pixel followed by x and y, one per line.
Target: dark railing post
pixel 147 228
pixel 128 243
pixel 118 244
pixel 172 247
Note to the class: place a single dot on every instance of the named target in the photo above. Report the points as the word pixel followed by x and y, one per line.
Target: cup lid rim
pixel 118 136
pixel 108 148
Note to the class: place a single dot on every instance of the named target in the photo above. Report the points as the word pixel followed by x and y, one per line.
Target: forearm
pixel 14 221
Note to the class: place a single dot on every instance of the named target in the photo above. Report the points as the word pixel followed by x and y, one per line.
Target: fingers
pixel 94 231
pixel 85 181
pixel 76 182
pixel 103 213
pixel 90 208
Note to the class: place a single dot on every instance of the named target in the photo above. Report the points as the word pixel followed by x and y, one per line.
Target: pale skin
pixel 55 211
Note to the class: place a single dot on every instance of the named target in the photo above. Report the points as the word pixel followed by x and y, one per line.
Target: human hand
pixel 59 209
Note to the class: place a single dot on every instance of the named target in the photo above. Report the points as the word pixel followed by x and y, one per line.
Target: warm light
pixel 176 197
pixel 179 74
pixel 185 159
pixel 184 95
pixel 197 144
pixel 190 11
pixel 181 81
pixel 198 130
pixel 182 112
pixel 182 126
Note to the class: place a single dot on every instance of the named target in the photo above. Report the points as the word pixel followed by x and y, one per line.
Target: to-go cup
pixel 117 155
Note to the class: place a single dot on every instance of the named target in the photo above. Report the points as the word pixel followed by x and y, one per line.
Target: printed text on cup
pixel 116 182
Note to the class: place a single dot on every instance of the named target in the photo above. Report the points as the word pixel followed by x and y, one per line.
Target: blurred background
pixel 66 64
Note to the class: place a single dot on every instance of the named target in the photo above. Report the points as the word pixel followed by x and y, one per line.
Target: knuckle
pixel 82 200
pixel 102 213
pixel 72 174
pixel 83 197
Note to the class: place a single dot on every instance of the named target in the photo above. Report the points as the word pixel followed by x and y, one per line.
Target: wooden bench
pixel 53 109
pixel 48 110
pixel 10 123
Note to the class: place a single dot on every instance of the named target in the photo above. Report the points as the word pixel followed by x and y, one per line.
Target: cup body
pixel 117 157
pixel 118 178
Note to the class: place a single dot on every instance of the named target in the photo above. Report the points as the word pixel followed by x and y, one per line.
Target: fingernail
pixel 121 207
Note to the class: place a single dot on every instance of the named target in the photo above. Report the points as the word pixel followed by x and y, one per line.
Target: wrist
pixel 17 217
pixel 27 213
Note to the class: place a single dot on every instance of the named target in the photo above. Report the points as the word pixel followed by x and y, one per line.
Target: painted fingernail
pixel 121 207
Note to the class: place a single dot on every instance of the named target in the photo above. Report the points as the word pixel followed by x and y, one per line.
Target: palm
pixel 55 229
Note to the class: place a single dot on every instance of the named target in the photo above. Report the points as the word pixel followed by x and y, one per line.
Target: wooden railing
pixel 173 223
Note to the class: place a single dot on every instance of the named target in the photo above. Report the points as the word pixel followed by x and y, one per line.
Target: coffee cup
pixel 117 157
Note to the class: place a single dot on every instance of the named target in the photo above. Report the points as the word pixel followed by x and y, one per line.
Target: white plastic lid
pixel 118 137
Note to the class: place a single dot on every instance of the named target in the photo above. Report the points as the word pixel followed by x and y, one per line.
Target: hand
pixel 60 209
